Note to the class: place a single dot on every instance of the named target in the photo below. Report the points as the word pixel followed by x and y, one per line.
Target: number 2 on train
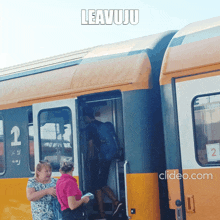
pixel 213 149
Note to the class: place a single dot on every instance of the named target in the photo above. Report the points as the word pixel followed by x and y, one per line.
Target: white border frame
pixel 71 103
pixel 185 93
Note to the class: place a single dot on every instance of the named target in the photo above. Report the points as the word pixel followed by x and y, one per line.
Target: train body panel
pixel 99 69
pixel 196 158
pixel 143 189
pixel 13 202
pixel 120 83
pixel 190 92
pixel 161 93
pixel 193 50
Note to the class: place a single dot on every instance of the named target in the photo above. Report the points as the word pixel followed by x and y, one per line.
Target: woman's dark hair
pixel 66 167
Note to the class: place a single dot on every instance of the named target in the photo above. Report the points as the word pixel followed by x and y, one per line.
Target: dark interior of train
pixel 107 108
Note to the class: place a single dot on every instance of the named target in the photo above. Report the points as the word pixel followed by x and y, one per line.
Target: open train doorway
pixel 105 108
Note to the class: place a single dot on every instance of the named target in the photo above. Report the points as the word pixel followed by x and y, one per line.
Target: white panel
pixel 55 104
pixel 185 92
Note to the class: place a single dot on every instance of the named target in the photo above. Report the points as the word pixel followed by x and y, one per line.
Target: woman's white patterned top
pixel 42 209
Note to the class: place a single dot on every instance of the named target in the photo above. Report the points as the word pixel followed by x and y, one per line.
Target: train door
pixel 105 109
pixel 198 115
pixel 55 133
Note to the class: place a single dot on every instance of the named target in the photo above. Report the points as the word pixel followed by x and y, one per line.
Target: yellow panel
pixel 173 188
pixel 14 204
pixel 193 57
pixel 123 73
pixel 13 201
pixel 123 66
pixel 37 85
pixel 190 59
pixel 202 194
pixel 143 196
pixel 113 72
pixel 199 26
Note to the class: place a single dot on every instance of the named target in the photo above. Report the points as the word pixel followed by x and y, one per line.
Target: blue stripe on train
pixel 197 36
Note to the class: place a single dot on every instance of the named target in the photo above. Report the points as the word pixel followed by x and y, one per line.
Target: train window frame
pixel 4 156
pixel 71 129
pixel 30 112
pixel 208 164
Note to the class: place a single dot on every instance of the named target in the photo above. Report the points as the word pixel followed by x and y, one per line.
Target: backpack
pixel 108 141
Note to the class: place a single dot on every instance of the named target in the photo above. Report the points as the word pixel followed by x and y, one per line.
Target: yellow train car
pixel 161 93
pixel 41 106
pixel 189 82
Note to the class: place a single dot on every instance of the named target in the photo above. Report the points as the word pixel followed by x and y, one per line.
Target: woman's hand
pixel 33 195
pixel 73 204
pixel 85 199
pixel 52 191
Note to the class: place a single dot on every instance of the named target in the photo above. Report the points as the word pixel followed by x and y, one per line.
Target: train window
pixel 207 129
pixel 31 141
pixel 56 143
pixel 2 152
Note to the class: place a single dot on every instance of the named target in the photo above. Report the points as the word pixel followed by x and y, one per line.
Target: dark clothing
pixel 104 140
pixel 105 149
pixel 99 173
pixel 75 214
pixel 93 135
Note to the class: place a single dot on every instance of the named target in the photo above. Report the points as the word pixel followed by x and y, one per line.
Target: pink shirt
pixel 66 186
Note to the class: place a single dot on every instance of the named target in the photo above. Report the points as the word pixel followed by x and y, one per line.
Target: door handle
pixel 126 191
pixel 190 203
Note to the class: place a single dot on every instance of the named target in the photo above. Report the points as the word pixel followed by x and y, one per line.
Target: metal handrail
pixel 117 179
pixel 126 192
pixel 83 173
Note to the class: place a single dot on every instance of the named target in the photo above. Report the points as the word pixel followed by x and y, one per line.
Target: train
pixel 161 92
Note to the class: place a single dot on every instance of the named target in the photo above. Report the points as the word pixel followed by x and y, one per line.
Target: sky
pixel 37 29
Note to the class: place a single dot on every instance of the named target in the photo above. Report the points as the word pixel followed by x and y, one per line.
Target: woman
pixel 41 192
pixel 69 195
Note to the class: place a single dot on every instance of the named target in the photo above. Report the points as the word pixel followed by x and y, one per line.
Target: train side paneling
pixel 144 146
pixel 198 116
pixel 18 137
pixel 131 67
pixel 16 167
pixel 190 99
pixel 171 138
